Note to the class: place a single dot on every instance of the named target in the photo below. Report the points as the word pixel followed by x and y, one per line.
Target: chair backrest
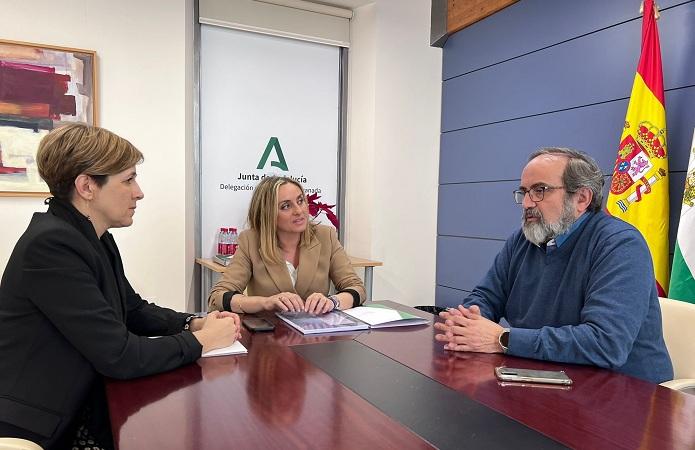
pixel 17 444
pixel 678 320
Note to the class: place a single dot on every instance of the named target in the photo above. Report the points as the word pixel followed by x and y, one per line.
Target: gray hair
pixel 581 171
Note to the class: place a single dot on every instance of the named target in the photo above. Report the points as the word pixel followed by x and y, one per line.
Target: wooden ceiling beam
pixel 450 16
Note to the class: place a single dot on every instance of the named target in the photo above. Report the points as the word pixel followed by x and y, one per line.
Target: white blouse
pixel 293 272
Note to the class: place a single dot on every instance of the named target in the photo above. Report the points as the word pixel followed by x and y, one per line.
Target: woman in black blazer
pixel 68 315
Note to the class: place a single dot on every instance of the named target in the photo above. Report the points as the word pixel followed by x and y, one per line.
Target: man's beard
pixel 541 232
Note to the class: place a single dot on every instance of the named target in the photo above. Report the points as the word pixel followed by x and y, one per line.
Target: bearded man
pixel 575 284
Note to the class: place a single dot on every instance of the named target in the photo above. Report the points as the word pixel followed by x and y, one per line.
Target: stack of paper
pixel 380 316
pixel 234 349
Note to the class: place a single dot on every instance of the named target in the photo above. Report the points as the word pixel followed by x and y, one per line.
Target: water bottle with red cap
pixel 233 240
pixel 221 241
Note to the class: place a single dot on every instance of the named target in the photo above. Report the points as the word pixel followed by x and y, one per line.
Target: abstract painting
pixel 41 87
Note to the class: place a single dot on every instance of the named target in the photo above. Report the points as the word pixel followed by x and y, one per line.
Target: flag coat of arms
pixel 639 187
pixel 683 272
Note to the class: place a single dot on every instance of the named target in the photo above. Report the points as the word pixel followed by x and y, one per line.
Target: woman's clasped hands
pixel 216 330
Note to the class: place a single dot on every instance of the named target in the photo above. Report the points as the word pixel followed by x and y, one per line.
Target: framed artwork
pixel 41 87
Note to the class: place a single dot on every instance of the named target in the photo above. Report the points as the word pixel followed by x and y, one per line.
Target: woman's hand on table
pixel 318 303
pixel 284 301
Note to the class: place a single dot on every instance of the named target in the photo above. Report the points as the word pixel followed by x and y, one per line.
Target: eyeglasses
pixel 536 194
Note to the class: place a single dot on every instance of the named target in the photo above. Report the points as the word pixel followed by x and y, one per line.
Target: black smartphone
pixel 257 324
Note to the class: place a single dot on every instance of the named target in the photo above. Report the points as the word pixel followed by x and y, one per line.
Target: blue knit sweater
pixel 591 301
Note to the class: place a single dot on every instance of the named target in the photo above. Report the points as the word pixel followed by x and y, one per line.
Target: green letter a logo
pixel 280 163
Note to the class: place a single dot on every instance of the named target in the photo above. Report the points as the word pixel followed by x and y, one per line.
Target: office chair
pixel 678 319
pixel 17 444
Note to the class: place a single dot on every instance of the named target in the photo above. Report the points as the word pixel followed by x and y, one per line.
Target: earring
pixel 89 207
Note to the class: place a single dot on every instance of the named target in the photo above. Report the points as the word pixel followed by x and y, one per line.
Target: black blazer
pixel 69 316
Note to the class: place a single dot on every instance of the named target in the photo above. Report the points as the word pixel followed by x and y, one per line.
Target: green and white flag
pixel 682 283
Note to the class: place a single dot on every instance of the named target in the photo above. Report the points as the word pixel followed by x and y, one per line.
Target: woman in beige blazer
pixel 284 262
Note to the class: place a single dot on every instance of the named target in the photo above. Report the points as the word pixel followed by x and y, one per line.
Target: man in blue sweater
pixel 575 284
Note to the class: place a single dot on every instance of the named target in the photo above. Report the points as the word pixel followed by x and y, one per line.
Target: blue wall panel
pixel 529 25
pixel 450 297
pixel 554 92
pixel 462 262
pixel 576 73
pixel 499 151
pixel 460 206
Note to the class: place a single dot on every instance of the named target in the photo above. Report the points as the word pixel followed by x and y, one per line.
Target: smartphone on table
pixel 257 324
pixel 532 376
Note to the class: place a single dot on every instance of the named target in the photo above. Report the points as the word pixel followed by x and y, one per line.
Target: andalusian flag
pixel 639 189
pixel 682 282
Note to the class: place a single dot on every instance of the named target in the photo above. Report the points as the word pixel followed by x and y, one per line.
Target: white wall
pixel 394 110
pixel 144 51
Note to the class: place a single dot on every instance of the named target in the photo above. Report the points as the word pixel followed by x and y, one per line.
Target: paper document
pixel 380 316
pixel 234 349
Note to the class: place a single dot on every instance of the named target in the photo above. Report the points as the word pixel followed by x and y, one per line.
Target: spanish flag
pixel 639 188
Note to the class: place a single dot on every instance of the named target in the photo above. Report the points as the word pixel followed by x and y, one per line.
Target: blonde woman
pixel 285 262
pixel 69 315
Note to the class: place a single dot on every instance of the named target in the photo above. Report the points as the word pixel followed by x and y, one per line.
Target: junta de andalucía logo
pixel 273 144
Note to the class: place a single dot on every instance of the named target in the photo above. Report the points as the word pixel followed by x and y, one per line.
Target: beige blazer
pixel 322 261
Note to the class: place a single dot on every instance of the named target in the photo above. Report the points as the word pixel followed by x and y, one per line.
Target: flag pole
pixel 656 10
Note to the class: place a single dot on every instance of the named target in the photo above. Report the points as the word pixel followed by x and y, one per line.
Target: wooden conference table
pixel 394 388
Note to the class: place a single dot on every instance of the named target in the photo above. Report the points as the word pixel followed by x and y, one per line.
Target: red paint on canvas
pixel 23 84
